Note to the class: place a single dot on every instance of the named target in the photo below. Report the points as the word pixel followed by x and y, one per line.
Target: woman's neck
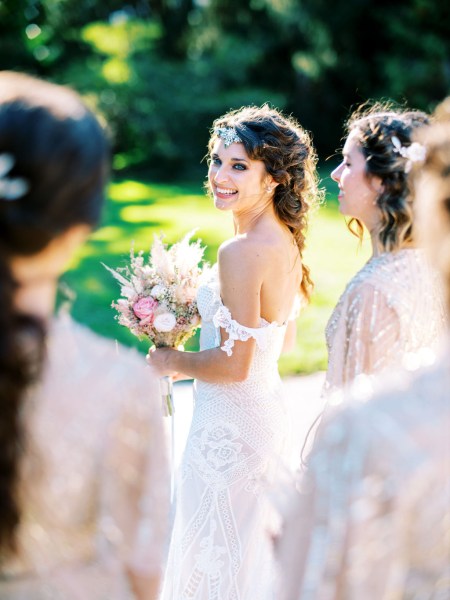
pixel 374 240
pixel 246 220
pixel 36 298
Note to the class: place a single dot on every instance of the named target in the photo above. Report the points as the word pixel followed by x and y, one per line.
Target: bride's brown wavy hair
pixel 374 126
pixel 58 147
pixel 289 157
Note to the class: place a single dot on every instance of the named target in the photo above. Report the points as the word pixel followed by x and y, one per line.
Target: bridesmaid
pixel 83 469
pixel 392 309
pixel 372 518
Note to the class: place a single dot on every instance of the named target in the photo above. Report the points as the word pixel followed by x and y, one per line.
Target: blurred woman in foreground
pixel 83 473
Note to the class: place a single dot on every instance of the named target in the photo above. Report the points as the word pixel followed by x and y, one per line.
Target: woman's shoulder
pixel 246 254
pixel 86 373
pixel 91 353
pixel 254 248
pixel 379 272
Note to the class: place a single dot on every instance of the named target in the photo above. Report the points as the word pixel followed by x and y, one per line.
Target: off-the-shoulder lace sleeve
pixel 367 341
pixel 223 320
pixel 135 501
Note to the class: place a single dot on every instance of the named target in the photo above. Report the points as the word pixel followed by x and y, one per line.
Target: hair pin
pixel 413 153
pixel 229 135
pixel 11 188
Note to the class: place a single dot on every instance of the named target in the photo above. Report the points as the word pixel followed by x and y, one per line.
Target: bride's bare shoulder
pixel 247 253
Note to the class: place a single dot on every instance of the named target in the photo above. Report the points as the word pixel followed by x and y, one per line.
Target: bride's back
pixel 283 271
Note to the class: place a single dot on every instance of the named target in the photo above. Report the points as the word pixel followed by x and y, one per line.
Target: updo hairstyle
pixel 374 128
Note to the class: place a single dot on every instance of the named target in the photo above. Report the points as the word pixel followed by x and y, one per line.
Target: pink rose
pixel 144 309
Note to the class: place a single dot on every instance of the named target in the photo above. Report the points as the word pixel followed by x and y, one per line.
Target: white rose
pixel 164 322
pixel 158 291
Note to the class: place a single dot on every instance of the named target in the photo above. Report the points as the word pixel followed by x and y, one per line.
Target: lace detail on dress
pixel 220 549
pixel 390 311
pixel 236 331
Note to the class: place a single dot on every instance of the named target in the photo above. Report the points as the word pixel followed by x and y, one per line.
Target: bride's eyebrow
pixel 215 155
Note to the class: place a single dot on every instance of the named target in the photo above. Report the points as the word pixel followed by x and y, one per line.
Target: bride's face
pixel 358 191
pixel 236 181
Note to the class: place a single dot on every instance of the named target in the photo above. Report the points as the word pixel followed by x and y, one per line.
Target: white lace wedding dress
pixel 220 547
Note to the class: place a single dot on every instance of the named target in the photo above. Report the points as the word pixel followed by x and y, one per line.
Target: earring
pixel 268 189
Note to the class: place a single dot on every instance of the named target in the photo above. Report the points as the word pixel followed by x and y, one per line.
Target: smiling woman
pixel 392 308
pixel 261 170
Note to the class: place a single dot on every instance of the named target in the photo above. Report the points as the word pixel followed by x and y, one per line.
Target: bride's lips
pixel 224 193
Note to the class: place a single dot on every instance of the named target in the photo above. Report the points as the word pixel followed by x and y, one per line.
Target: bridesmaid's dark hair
pixel 287 152
pixel 52 144
pixel 375 125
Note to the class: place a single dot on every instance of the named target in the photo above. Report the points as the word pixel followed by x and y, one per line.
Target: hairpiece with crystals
pixel 413 153
pixel 10 188
pixel 228 135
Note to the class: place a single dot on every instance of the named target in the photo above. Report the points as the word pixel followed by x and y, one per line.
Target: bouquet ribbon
pixel 166 385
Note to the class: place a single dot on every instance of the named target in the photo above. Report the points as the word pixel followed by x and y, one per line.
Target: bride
pixel 262 169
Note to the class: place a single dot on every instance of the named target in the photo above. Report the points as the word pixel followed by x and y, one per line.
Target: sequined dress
pixel 94 489
pixel 372 519
pixel 220 548
pixel 390 311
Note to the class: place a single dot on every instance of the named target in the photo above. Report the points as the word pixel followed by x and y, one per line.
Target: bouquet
pixel 158 297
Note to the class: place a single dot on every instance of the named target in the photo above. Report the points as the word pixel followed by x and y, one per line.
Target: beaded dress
pixel 391 310
pixel 372 517
pixel 220 547
pixel 94 487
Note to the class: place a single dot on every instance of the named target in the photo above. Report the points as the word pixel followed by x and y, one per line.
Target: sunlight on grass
pixel 333 256
pixel 130 191
pixel 137 210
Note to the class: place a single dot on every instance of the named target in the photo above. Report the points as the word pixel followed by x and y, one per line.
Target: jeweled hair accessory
pixel 228 135
pixel 413 153
pixel 10 188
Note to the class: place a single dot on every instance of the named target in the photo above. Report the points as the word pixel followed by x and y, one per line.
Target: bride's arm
pixel 241 269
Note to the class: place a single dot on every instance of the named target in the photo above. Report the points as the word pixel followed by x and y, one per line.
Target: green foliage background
pixel 160 71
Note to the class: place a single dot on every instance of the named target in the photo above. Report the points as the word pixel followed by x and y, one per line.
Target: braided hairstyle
pixel 56 146
pixel 287 152
pixel 375 127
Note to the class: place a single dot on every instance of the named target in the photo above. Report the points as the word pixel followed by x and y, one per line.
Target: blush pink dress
pixel 94 489
pixel 371 517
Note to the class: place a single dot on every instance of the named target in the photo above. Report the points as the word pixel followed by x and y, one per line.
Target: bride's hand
pixel 159 360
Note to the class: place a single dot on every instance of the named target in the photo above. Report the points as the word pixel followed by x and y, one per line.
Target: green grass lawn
pixel 136 210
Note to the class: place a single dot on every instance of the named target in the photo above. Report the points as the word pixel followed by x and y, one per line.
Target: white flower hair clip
pixel 228 135
pixel 10 188
pixel 413 153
